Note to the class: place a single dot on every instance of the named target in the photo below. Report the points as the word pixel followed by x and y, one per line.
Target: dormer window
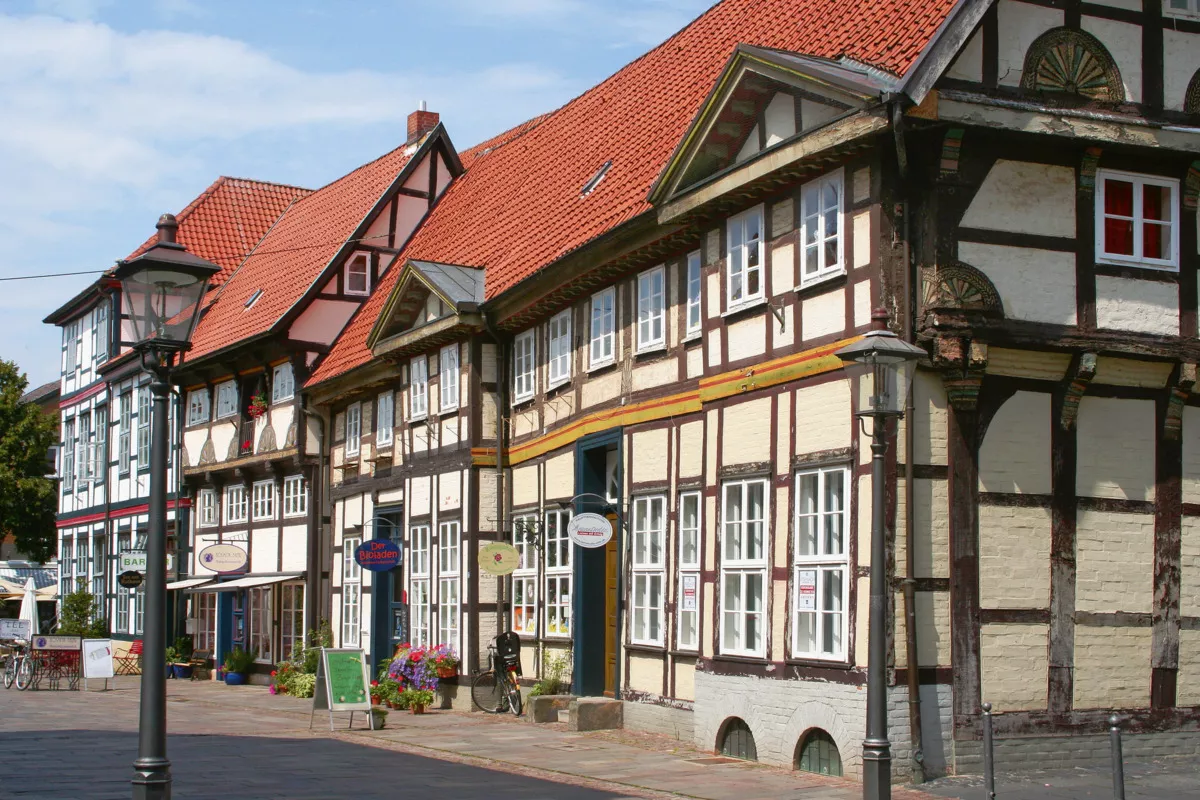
pixel 198 407
pixel 283 383
pixel 358 276
pixel 743 269
pixel 821 213
pixel 227 399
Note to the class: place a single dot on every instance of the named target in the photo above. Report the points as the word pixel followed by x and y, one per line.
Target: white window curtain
pixel 385 418
pixel 821 228
pixel 418 388
pixel 604 315
pixel 448 378
pixel 560 348
pixel 744 258
pixel 651 305
pixel 524 365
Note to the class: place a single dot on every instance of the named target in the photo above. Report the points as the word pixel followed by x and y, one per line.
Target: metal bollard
pixel 1118 761
pixel 989 768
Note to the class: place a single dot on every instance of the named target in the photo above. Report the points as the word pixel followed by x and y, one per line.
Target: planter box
pixel 545 708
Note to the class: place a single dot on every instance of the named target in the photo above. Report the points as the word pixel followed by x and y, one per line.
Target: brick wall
pixel 1014 557
pixel 1115 561
pixel 675 722
pixel 1064 752
pixel 1014 666
pixel 1015 454
pixel 1112 667
pixel 1116 448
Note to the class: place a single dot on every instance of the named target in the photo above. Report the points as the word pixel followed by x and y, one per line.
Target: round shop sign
pixel 590 530
pixel 498 558
pixel 130 579
pixel 222 558
pixel 378 555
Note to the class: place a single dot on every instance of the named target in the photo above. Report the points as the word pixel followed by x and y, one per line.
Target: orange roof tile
pixel 226 221
pixel 293 254
pixel 519 209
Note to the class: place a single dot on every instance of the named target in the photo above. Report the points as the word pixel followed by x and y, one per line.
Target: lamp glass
pixel 161 303
pixel 880 382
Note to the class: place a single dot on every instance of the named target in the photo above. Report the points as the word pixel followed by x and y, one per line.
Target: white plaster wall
pixel 193 442
pixel 1014 666
pixel 654 374
pixel 968 66
pixel 1034 285
pixel 1129 372
pixel 1133 305
pixel 525 485
pixel 783 267
pixel 449 491
pixel 861 226
pixel 1181 57
pixel 1124 43
pixel 780 118
pixel 646 673
pixel 222 435
pixel 746 437
pixel 1112 667
pixel 1014 557
pixel 1114 555
pixel 691 449
pixel 747 338
pixel 1115 448
pixel 1024 197
pixel 601 389
pixel 1015 455
pixel 295 548
pixel 823 417
pixel 1189 571
pixel 560 475
pixel 420 496
pixel 823 314
pixel 814 114
pixel 929 419
pixel 1188 679
pixel 322 320
pixel 264 550
pixel 1019 25
pixel 1191 454
pixel 650 455
pixel 862 304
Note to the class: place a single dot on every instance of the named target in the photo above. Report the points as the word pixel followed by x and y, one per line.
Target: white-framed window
pixel 559 334
pixel 66 564
pixel 1181 8
pixel 821 228
pixel 139 609
pixel 99 556
pixel 448 378
pixel 688 637
pixel 351 592
pixel 744 259
pixel 558 549
pixel 122 624
pixel 449 547
pixel 101 451
pixel 525 579
pixel 353 428
pixel 1137 220
pixel 207 500
pixel 235 504
pixel 603 326
pixel 227 399
pixel 744 567
pixel 81 559
pixel 651 309
pixel 100 333
pixel 264 500
pixel 143 428
pixel 204 610
pixel 694 310
pixel 198 406
pixel 358 276
pixel 418 388
pixel 649 569
pixel 283 383
pixel 68 455
pixel 524 365
pixel 259 623
pixel 291 618
pixel 85 463
pixel 295 496
pixel 419 592
pixel 820 564
pixel 70 347
pixel 124 428
pixel 385 418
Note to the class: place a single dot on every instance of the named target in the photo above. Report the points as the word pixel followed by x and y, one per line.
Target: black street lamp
pixel 161 290
pixel 879 368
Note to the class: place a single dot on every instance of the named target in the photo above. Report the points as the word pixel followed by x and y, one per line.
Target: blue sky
pixel 118 110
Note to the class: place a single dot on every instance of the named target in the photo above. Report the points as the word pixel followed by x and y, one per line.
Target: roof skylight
pixel 591 185
pixel 258 293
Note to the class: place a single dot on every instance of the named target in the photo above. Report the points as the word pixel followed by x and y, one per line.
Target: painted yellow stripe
pixel 817 361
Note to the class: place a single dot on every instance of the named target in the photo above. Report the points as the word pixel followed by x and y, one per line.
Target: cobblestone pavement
pixel 240 742
pixel 1166 779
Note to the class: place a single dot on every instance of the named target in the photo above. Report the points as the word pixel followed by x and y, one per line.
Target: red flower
pixel 374 683
pixel 272 673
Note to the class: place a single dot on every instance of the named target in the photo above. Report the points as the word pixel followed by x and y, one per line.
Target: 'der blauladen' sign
pixel 378 555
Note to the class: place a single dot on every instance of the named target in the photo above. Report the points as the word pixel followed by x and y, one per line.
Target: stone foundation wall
pixel 1064 752
pixel 675 722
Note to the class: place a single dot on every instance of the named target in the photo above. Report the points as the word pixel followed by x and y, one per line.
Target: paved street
pixel 1168 779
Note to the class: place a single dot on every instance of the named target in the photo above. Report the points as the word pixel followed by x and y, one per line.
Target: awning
pixel 188 583
pixel 249 581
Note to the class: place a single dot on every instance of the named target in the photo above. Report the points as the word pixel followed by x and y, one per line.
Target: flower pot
pixel 417 709
pixel 235 678
pixel 182 671
pixel 380 719
pixel 447 672
pixel 376 700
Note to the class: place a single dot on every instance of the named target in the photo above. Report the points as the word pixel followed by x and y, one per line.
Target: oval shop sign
pixel 222 558
pixel 498 558
pixel 590 530
pixel 378 555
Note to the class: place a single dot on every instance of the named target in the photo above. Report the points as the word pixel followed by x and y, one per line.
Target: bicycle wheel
pixel 10 671
pixel 25 673
pixel 486 692
pixel 513 695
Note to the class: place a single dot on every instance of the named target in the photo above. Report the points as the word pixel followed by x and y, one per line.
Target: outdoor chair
pixel 200 666
pixel 131 662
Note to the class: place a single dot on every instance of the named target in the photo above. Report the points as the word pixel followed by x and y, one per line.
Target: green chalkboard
pixel 346 682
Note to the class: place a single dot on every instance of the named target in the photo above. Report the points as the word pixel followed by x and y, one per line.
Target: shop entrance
pixel 597 606
pixel 389 605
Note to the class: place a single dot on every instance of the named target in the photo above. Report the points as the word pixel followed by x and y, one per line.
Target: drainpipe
pixel 501 418
pixel 316 523
pixel 917 757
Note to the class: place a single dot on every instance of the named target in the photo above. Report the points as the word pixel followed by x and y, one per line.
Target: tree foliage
pixel 27 497
pixel 78 617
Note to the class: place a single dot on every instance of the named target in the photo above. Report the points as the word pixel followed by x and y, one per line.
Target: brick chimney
pixel 421 122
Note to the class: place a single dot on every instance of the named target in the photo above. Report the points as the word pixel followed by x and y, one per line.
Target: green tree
pixel 27 497
pixel 79 618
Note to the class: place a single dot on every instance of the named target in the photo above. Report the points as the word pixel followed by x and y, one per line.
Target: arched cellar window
pixel 1072 62
pixel 1191 100
pixel 818 753
pixel 737 741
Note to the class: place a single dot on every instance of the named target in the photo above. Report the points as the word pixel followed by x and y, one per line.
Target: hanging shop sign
pixel 135 561
pixel 590 530
pixel 130 579
pixel 223 558
pixel 378 555
pixel 498 558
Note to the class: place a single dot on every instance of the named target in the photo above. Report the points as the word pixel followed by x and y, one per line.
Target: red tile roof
pixel 293 254
pixel 519 209
pixel 228 219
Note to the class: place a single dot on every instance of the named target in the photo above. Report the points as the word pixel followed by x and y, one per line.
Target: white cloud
pixel 632 22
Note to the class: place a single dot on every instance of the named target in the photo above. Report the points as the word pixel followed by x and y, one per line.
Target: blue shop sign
pixel 378 555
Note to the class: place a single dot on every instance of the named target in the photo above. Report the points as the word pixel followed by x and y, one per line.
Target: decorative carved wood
pixel 1191 98
pixel 962 364
pixel 951 151
pixel 1072 62
pixel 1084 369
pixel 1087 169
pixel 208 453
pixel 958 286
pixel 1176 400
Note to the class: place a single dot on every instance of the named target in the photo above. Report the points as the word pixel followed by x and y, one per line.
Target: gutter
pixel 489 321
pixel 316 522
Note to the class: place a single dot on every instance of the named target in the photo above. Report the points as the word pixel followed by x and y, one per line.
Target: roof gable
pixel 426 293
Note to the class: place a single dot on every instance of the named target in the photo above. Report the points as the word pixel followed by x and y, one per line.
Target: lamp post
pixel 879 368
pixel 161 292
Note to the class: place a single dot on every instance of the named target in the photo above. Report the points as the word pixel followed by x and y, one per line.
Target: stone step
pixel 564 715
pixel 595 714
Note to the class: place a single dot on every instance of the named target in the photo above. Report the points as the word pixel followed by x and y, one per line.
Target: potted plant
pixel 445 661
pixel 380 718
pixel 238 664
pixel 172 655
pixel 418 699
pixel 179 656
pixel 396 698
pixel 258 405
pixel 377 693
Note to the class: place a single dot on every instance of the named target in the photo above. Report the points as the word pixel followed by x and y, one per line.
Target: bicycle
pixel 18 669
pixel 496 689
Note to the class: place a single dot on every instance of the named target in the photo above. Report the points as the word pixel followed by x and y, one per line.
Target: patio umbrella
pixel 29 609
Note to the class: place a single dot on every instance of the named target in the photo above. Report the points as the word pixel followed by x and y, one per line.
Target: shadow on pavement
pixel 97 765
